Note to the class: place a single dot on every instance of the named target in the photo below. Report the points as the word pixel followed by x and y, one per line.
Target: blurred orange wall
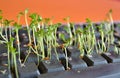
pixel 78 10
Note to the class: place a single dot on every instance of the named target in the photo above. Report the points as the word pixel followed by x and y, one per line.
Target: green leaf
pixel 12 39
pixel 72 25
pixel 26 10
pixel 66 29
pixel 1 17
pixel 88 20
pixel 39 18
pixel 40 33
pixel 79 31
pixel 33 16
pixel 110 11
pixel 58 24
pixel 20 13
pixel 109 32
pixel 85 30
pixel 7 22
pixel 16 25
pixel 0 11
pixel 62 36
pixel 66 19
pixel 47 20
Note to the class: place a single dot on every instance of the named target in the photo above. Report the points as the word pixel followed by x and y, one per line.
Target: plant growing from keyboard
pixel 109 38
pixel 40 42
pixel 106 39
pixel 80 40
pixel 50 39
pixel 68 29
pixel 72 26
pixel 14 53
pixel 16 28
pixel 11 51
pixel 67 43
pixel 101 43
pixel 55 43
pixel 111 26
pixel 35 26
pixel 6 38
pixel 1 18
pixel 29 34
pixel 1 26
pixel 89 37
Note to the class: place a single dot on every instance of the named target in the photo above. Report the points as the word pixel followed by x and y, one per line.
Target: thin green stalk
pixel 18 45
pixel 36 48
pixel 8 51
pixel 66 58
pixel 42 25
pixel 6 33
pixel 80 40
pixel 29 35
pixel 16 70
pixel 55 44
pixel 42 47
pixel 56 53
pixel 112 26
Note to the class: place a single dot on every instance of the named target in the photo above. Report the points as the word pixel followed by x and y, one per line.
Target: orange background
pixel 78 10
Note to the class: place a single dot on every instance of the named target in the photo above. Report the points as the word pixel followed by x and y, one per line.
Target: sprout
pixel 13 55
pixel 68 29
pixel 35 26
pixel 109 15
pixel 17 27
pixel 19 16
pixel 47 20
pixel 40 41
pixel 29 34
pixel 80 40
pixel 45 38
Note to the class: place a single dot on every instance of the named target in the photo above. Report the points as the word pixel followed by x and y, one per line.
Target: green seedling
pixel 6 40
pixel 68 28
pixel 44 34
pixel 117 50
pixel 29 33
pixel 35 25
pixel 6 24
pixel 102 34
pixel 109 15
pixel 35 19
pixel 89 37
pixel 40 41
pixel 106 34
pixel 13 52
pixel 72 26
pixel 28 29
pixel 19 17
pixel 51 39
pixel 16 28
pixel 80 40
pixel 47 21
pixel 1 18
pixel 67 43
pixel 55 44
